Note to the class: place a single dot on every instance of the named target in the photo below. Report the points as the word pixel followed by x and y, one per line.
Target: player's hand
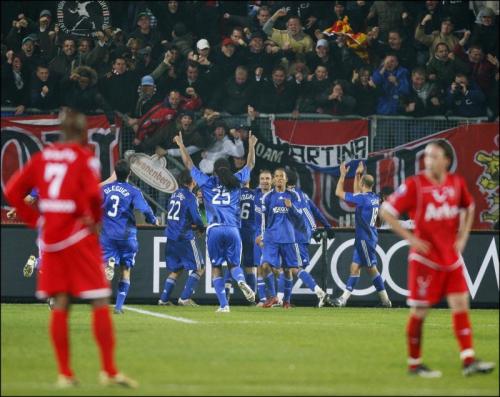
pixel 252 139
pixel 288 203
pixel 343 169
pixel 360 168
pixel 259 241
pixel 11 214
pixel 178 139
pixel 460 244
pixel 420 246
pixel 158 223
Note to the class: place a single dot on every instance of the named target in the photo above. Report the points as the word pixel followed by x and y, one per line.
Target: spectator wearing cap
pixel 30 53
pixel 44 89
pixel 226 60
pixel 147 97
pixel 293 39
pixel 485 31
pixel 46 35
pixel 329 57
pixel 149 36
pixel 204 57
pixel 443 67
pixel 397 46
pixel 21 27
pixel 257 59
pixel 15 85
pixel 445 35
pixel 277 95
pixel 119 87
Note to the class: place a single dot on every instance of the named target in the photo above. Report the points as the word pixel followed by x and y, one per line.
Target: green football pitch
pixel 250 351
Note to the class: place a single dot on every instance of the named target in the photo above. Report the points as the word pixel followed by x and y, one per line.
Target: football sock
pixel 307 279
pixel 237 274
pixel 287 289
pixel 250 280
pixel 105 337
pixel 350 285
pixel 60 340
pixel 167 289
pixel 378 283
pixel 227 282
pixel 219 290
pixel 261 289
pixel 463 333
pixel 414 338
pixel 281 286
pixel 271 284
pixel 190 286
pixel 123 287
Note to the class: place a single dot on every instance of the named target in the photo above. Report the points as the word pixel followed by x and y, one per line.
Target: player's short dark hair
pixel 291 176
pixel 265 171
pixel 447 149
pixel 222 169
pixel 122 170
pixel 184 178
pixel 280 169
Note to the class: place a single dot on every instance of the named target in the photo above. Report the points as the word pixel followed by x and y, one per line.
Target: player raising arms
pixel 366 235
pixel 434 199
pixel 69 210
pixel 119 231
pixel 221 195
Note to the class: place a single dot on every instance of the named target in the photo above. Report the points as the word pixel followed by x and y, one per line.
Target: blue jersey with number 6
pixel 222 206
pixel 367 205
pixel 120 200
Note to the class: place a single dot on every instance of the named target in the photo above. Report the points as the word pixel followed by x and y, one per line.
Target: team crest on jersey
pixel 488 184
pixel 422 285
pixel 442 196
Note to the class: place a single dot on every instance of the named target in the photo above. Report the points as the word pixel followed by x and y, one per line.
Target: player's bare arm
pixel 252 141
pixel 186 158
pixel 339 191
pixel 464 230
pixel 357 177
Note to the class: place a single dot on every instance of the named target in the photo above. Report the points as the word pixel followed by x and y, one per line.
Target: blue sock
pixel 378 282
pixel 123 287
pixel 351 283
pixel 287 289
pixel 271 284
pixel 281 282
pixel 307 279
pixel 261 289
pixel 190 286
pixel 237 274
pixel 167 289
pixel 250 280
pixel 219 290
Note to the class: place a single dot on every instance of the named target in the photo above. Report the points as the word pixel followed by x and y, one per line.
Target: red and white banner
pixel 22 137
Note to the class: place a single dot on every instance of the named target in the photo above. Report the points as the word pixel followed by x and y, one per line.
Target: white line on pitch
pixel 161 315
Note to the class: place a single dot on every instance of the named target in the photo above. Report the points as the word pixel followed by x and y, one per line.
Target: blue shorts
pixel 304 254
pixel 287 252
pixel 123 251
pixel 224 245
pixel 257 254
pixel 182 254
pixel 248 243
pixel 364 254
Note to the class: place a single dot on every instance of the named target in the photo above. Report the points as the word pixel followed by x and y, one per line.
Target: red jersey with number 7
pixel 435 209
pixel 67 178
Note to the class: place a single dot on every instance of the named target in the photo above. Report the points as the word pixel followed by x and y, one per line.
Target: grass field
pixel 250 351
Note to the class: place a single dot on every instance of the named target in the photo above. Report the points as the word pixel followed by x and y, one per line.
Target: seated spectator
pixel 336 102
pixel 277 95
pixel 445 35
pixel 465 99
pixel 485 31
pixel 481 69
pixel 365 92
pixel 395 45
pixel 44 89
pixel 314 87
pixel 443 66
pixel 235 94
pixel 393 82
pixel 15 84
pixel 424 98
pixel 222 147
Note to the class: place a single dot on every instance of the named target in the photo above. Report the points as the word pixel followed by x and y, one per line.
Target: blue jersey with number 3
pixel 221 205
pixel 367 205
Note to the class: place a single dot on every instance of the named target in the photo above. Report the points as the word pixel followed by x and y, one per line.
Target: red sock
pixel 105 337
pixel 463 333
pixel 60 340
pixel 414 339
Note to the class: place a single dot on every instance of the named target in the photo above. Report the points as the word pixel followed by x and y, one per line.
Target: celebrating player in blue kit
pixel 279 209
pixel 181 251
pixel 221 195
pixel 366 236
pixel 119 231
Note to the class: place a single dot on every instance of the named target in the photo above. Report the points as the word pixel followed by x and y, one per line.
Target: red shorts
pixel 77 270
pixel 428 285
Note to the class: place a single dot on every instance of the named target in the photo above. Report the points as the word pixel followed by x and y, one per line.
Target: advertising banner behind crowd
pixel 22 137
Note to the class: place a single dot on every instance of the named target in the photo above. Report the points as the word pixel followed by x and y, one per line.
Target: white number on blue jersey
pixel 374 216
pixel 55 173
pixel 221 197
pixel 173 213
pixel 245 210
pixel 116 201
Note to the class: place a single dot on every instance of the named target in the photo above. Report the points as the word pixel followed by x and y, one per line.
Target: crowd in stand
pixel 160 62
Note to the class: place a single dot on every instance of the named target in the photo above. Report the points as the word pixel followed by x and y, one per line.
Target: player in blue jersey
pixel 221 195
pixel 366 236
pixel 280 210
pixel 119 231
pixel 181 251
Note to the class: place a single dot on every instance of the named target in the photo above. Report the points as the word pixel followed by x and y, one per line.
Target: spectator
pixel 21 28
pixel 339 13
pixel 235 94
pixel 309 12
pixel 329 57
pixel 336 103
pixel 255 23
pixel 460 13
pixel 175 12
pixel 226 60
pixel 391 15
pixel 314 87
pixel 395 45
pixel 365 92
pixel 259 61
pixel 30 53
pixel 358 12
pixel 46 35
pixel 148 36
pixel 442 68
pixel 481 69
pixel 15 84
pixel 436 13
pixel 393 82
pixel 147 97
pixel 465 99
pixel 44 89
pixel 205 58
pixel 445 35
pixel 182 39
pixel 424 98
pixel 485 31
pixel 277 95
pixel 62 65
pixel 222 147
pixel 193 82
pixel 167 72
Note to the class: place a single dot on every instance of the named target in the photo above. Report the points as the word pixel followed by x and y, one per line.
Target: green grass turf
pixel 250 351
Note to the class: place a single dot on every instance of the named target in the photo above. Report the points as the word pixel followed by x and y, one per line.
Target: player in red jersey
pixel 435 200
pixel 66 175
